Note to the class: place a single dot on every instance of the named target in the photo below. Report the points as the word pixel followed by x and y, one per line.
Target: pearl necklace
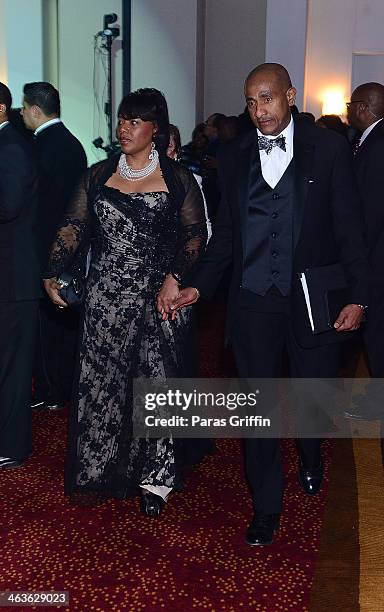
pixel 130 174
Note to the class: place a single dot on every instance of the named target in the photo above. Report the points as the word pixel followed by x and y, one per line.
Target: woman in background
pixel 146 213
pixel 173 151
pixel 333 122
pixel 192 154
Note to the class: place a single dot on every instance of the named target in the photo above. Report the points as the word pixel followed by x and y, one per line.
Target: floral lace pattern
pixel 138 240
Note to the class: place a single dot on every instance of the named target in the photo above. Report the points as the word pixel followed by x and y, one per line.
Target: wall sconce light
pixel 333 102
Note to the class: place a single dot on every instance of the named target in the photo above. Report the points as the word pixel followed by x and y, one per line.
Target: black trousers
pixel 260 340
pixel 55 355
pixel 374 333
pixel 18 325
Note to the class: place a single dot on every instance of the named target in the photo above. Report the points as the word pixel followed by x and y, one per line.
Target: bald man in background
pixel 365 113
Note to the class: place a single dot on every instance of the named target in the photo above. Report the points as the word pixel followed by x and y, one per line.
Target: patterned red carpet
pixel 194 557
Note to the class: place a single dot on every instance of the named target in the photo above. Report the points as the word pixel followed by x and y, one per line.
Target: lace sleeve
pixel 73 232
pixel 192 231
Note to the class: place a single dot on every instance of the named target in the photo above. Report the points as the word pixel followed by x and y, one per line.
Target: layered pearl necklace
pixel 130 174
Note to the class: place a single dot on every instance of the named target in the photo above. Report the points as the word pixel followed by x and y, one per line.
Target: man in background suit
pixel 365 113
pixel 288 204
pixel 209 165
pixel 60 162
pixel 20 288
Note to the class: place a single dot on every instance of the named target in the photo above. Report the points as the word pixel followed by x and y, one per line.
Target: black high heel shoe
pixel 151 504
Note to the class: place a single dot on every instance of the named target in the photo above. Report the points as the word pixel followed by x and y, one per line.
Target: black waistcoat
pixel 268 233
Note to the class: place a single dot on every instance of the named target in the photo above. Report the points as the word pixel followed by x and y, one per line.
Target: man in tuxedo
pixel 288 204
pixel 19 288
pixel 365 113
pixel 60 162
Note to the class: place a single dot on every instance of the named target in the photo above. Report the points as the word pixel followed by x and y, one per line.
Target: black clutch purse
pixel 72 282
pixel 72 289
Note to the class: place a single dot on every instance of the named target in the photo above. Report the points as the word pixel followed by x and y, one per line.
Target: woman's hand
pixel 52 288
pixel 168 293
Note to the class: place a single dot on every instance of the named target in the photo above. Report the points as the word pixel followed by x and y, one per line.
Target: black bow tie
pixel 267 144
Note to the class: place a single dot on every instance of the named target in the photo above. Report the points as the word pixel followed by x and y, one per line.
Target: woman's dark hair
pixel 174 133
pixel 199 129
pixel 333 122
pixel 148 104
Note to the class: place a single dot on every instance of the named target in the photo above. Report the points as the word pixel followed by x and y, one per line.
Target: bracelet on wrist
pixel 176 277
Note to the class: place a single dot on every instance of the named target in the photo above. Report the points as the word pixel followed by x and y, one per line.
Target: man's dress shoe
pixel 7 463
pixel 54 405
pixel 361 413
pixel 37 403
pixel 151 504
pixel 262 529
pixel 368 406
pixel 311 479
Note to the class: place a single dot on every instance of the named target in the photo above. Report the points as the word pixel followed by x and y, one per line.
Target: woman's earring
pixel 152 153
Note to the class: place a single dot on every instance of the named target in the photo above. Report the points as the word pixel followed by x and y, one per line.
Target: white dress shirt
pixel 275 164
pixel 368 131
pixel 46 125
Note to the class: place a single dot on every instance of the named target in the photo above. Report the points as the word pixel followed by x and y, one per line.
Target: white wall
pixel 235 43
pixel 194 50
pixel 286 39
pixel 78 22
pixel 330 34
pixel 367 68
pixel 369 17
pixel 163 51
pixel 50 12
pixel 21 56
pixel 336 30
pixel 3 46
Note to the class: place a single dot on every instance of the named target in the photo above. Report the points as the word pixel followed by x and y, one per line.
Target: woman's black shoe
pixel 151 504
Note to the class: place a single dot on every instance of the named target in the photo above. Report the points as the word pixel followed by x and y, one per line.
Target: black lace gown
pixel 138 239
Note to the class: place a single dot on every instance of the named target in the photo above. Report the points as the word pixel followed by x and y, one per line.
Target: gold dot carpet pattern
pixel 111 557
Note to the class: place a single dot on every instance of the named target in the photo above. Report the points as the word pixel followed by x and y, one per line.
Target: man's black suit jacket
pixel 327 222
pixel 369 167
pixel 19 264
pixel 61 160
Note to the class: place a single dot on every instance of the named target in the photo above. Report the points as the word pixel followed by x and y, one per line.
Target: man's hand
pixel 52 288
pixel 186 297
pixel 349 318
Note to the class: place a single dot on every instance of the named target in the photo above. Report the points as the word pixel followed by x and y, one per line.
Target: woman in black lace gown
pixel 146 217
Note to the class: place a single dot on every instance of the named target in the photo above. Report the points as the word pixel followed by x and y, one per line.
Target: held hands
pixel 349 318
pixel 170 299
pixel 186 297
pixel 52 288
pixel 168 293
